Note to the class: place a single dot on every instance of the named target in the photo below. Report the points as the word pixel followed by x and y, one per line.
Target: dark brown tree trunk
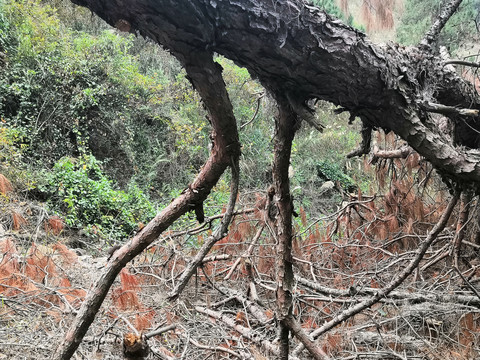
pixel 207 79
pixel 286 123
pixel 300 51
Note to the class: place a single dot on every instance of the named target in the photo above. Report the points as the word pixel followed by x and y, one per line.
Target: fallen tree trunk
pixel 298 53
pixel 303 53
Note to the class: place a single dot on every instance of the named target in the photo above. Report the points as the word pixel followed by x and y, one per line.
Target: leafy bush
pixel 68 91
pixel 12 149
pixel 86 198
pixel 5 36
pixel 329 171
pixel 331 8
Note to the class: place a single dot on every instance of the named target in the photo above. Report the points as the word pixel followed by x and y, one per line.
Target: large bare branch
pixel 207 79
pixel 431 36
pixel 248 333
pixel 298 50
pixel 307 341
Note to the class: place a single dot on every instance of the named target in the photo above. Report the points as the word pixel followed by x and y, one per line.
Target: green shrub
pixel 86 198
pixel 329 171
pixel 69 91
pixel 331 8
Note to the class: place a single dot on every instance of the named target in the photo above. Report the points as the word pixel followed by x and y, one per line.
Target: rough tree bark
pixel 298 53
pixel 286 124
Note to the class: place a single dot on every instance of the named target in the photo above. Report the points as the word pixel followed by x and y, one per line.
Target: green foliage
pixel 68 91
pixel 313 151
pixel 327 170
pixel 331 8
pixel 72 87
pixel 417 19
pixel 78 189
pixel 11 158
pixel 10 154
pixel 5 37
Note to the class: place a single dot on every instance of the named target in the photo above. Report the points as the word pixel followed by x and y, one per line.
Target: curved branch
pixel 259 100
pixel 364 147
pixel 462 62
pixel 207 79
pixel 217 235
pixel 449 110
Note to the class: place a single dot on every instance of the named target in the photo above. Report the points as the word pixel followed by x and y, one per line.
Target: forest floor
pixel 227 310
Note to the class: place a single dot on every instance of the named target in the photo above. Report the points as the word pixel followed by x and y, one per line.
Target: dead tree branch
pixel 218 234
pixel 160 331
pixel 314 349
pixel 401 153
pixel 364 147
pixel 242 330
pixel 413 297
pixel 449 110
pixel 386 93
pixel 207 79
pixel 431 36
pixel 462 62
pixel 396 281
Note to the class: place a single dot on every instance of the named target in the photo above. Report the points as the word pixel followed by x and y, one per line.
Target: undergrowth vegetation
pixel 78 189
pixel 105 128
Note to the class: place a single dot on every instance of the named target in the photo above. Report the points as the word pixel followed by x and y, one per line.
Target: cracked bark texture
pixel 298 50
pixel 286 123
